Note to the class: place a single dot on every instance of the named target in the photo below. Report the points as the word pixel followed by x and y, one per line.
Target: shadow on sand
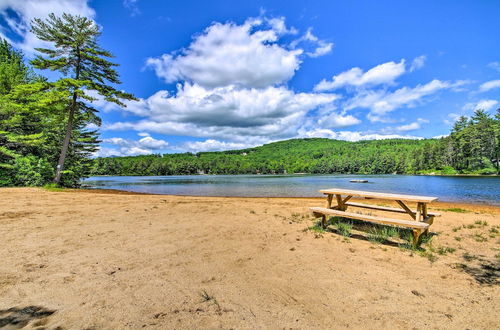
pixel 16 318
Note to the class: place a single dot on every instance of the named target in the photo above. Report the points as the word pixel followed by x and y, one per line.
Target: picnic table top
pixel 373 194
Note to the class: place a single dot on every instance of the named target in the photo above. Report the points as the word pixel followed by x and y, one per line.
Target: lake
pixel 483 190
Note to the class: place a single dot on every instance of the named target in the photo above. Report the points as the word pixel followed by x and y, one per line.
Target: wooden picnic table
pixel 420 221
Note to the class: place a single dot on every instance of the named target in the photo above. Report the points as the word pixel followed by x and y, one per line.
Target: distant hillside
pixel 314 155
pixel 473 147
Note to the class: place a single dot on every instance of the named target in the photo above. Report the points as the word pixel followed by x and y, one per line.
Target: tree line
pixel 472 148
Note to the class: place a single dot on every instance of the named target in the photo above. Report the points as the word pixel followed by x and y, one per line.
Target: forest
pixel 471 148
pixel 49 129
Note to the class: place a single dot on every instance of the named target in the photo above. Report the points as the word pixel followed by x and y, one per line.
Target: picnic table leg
pixel 418 216
pixel 340 203
pixel 329 199
pixel 416 237
pixel 323 221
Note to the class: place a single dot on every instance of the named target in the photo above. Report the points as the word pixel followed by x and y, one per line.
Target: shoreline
pixel 125 192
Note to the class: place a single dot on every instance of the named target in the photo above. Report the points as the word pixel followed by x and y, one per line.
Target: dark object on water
pixel 359 181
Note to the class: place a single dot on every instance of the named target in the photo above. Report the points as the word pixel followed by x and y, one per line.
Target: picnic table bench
pixel 421 218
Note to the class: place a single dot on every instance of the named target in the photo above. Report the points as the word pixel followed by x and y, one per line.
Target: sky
pixel 219 75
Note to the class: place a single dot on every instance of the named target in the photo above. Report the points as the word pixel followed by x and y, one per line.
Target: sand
pixel 95 260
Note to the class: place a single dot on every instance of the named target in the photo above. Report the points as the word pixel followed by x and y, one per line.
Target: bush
pixel 31 171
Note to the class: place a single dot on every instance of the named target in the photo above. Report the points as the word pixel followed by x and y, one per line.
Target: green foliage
pixel 32 127
pixel 344 228
pixel 470 149
pixel 84 67
pixel 31 171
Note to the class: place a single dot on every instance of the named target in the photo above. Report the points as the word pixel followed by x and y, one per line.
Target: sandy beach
pixel 109 260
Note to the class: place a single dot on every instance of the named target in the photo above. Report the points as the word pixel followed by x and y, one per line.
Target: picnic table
pixel 420 221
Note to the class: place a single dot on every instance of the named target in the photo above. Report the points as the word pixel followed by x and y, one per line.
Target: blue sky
pixel 215 75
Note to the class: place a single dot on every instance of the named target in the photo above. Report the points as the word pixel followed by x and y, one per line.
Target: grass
pixel 481 223
pixel 478 237
pixel 207 298
pixel 52 187
pixel 344 228
pixel 429 255
pixel 317 229
pixel 380 234
pixel 455 209
pixel 442 250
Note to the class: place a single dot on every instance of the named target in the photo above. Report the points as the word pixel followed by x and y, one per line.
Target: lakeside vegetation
pixel 471 148
pixel 47 128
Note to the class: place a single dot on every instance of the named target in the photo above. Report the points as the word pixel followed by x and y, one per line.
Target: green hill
pixel 472 147
pixel 314 155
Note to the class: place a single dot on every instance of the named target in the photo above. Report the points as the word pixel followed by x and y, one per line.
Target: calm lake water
pixel 485 190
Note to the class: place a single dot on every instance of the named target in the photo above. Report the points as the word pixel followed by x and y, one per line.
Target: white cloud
pixel 335 120
pixel 412 126
pixel 418 63
pixel 213 145
pixel 228 113
pixel 321 47
pixel 495 65
pixel 482 104
pixel 489 85
pixel 384 73
pixel 132 6
pixel 451 118
pixel 381 102
pixel 127 147
pixel 353 136
pixel 246 55
pixel 250 55
pixel 27 10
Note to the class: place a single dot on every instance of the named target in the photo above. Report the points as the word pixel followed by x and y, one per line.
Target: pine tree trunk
pixel 69 127
pixel 67 139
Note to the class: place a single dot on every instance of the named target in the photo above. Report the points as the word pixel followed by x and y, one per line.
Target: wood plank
pixel 369 218
pixel 373 194
pixel 386 208
pixel 407 209
pixel 418 215
pixel 339 203
pixel 329 199
pixel 346 199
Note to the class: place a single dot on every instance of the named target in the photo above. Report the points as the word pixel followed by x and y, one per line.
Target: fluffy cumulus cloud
pixel 235 114
pixel 18 14
pixel 127 147
pixel 247 55
pixel 384 73
pixel 380 102
pixel 229 106
pixel 489 85
pixel 482 104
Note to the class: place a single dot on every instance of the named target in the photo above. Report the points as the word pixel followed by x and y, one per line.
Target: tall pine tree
pixel 84 67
